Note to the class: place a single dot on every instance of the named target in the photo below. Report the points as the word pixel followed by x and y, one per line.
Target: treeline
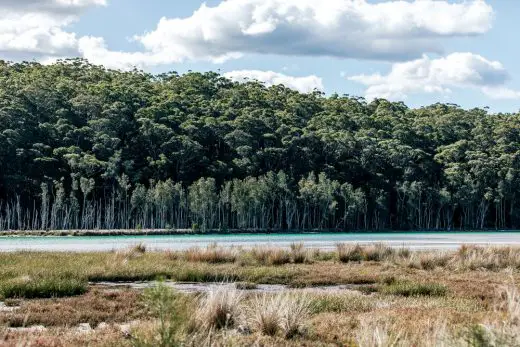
pixel 83 147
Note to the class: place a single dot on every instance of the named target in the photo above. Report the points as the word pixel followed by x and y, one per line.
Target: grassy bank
pixel 400 297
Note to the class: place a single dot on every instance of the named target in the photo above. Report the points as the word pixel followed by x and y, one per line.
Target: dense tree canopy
pixel 86 147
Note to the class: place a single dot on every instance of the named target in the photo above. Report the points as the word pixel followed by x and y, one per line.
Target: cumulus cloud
pixel 392 30
pixel 37 28
pixel 305 84
pixel 427 75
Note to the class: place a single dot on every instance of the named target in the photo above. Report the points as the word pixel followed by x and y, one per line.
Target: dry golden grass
pixel 212 254
pixel 271 256
pixel 219 308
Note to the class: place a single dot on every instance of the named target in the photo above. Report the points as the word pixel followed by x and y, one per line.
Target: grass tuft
pixel 286 313
pixel 271 256
pixel 219 309
pixel 211 254
pixel 299 254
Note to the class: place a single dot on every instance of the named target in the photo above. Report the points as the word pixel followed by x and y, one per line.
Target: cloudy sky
pixel 421 52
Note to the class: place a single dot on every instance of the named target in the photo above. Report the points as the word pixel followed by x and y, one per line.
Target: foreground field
pixel 389 297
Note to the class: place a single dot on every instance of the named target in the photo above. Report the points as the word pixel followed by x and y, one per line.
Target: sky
pixel 417 51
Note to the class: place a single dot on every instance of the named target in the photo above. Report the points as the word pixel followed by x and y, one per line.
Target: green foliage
pixel 83 147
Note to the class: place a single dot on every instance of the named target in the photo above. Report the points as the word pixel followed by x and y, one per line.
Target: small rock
pixel 84 328
pixel 126 328
pixel 102 326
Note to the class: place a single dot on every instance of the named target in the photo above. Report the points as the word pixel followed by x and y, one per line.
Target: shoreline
pixel 190 232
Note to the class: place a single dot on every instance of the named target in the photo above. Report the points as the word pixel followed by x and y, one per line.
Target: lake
pixel 325 241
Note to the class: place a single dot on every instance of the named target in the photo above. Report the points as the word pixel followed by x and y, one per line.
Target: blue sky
pixel 421 51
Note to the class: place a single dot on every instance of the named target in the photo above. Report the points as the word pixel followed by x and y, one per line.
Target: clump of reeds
pixel 489 258
pixel 212 254
pixel 355 253
pixel 428 260
pixel 131 252
pixel 349 253
pixel 219 308
pixel 282 313
pixel 271 256
pixel 299 254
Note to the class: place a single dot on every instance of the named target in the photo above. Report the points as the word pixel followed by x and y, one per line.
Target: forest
pixel 84 147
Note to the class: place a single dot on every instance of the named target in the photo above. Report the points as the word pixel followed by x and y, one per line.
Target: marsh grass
pixel 299 254
pixel 219 308
pixel 94 307
pixel 285 313
pixel 341 303
pixel 172 313
pixel 27 287
pixel 356 253
pixel 271 256
pixel 405 288
pixel 212 254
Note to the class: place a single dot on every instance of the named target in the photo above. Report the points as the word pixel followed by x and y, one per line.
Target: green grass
pixel 42 288
pixel 340 303
pixel 414 289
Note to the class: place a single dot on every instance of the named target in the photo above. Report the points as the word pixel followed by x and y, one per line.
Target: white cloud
pixel 503 93
pixel 305 84
pixel 393 30
pixel 426 75
pixel 37 28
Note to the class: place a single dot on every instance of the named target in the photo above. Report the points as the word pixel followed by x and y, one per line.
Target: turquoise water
pixel 327 241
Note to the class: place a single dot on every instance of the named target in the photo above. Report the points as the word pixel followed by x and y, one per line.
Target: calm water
pixel 322 241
